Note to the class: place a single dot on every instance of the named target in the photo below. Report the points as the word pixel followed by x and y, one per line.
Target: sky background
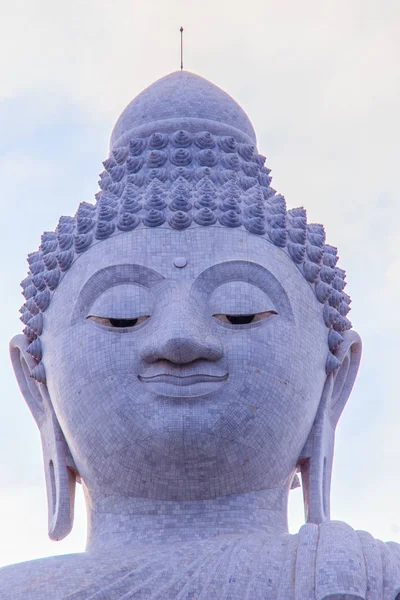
pixel 320 81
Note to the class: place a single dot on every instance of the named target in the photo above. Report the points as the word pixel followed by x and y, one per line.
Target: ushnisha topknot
pixel 184 178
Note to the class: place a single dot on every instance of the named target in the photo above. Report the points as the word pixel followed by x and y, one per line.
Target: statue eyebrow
pixel 111 276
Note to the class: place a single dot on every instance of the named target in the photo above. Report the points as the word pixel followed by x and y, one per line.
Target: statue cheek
pixel 85 377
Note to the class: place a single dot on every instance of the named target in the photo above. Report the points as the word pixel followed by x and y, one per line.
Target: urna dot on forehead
pixel 183 155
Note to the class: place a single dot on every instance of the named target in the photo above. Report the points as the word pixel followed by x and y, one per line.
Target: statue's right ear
pixel 35 394
pixel 59 466
pixel 316 457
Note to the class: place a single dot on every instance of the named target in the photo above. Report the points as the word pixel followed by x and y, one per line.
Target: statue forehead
pixel 205 246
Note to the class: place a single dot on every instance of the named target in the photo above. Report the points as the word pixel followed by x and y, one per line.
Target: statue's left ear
pixel 59 466
pixel 316 459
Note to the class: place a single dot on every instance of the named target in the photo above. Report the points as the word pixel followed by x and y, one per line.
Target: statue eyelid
pixel 240 302
pixel 210 287
pixel 122 306
pixel 132 275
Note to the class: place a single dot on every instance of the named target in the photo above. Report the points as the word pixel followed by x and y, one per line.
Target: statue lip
pixel 183 380
pixel 190 380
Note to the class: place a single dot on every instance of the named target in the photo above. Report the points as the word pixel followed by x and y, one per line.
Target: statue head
pixel 185 337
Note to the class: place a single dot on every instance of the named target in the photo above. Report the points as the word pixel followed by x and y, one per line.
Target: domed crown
pixel 183 100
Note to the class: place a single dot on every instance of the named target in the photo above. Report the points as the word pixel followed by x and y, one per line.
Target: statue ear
pixel 316 459
pixel 59 465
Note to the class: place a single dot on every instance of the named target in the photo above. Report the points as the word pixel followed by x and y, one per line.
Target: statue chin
pixel 186 353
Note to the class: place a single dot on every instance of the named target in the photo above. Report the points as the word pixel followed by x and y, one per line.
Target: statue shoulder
pixel 382 562
pixel 43 578
pixel 321 561
pixel 345 557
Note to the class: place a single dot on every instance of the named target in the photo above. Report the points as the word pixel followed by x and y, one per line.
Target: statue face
pixel 188 382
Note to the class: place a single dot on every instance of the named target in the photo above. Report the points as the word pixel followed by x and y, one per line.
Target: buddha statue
pixel 186 355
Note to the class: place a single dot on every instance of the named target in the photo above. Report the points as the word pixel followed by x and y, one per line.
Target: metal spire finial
pixel 181 30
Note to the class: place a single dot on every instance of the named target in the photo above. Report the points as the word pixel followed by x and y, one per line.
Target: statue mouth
pixel 183 386
pixel 183 379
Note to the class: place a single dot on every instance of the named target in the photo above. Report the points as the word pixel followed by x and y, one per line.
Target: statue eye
pixel 119 323
pixel 244 319
pixel 240 319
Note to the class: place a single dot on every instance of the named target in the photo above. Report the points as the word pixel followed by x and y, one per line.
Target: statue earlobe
pixel 316 459
pixel 60 470
pixel 60 481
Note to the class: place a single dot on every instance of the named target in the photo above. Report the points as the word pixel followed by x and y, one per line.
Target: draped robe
pixel 329 561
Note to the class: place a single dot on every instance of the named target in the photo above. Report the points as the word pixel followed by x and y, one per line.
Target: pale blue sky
pixel 320 82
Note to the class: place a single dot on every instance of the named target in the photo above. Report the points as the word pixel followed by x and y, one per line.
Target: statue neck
pixel 116 521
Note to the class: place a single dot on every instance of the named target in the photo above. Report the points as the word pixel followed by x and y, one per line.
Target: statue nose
pixel 182 347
